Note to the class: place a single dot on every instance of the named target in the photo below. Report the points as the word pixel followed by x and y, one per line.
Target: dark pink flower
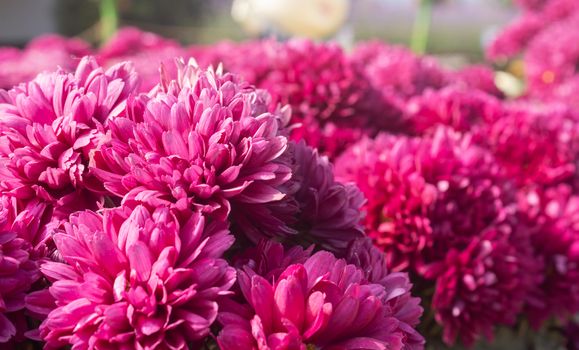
pixel 146 51
pixel 397 195
pixel 427 195
pixel 533 143
pixel 45 53
pixel 323 303
pixel 552 216
pixel 459 108
pixel 205 141
pixel 50 126
pixel 395 70
pixel 136 278
pixel 484 285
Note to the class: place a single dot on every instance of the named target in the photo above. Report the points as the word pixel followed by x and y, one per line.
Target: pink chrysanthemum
pixel 146 51
pixel 428 195
pixel 17 274
pixel 397 196
pixel 323 303
pixel 534 144
pixel 22 246
pixel 328 92
pixel 396 70
pixel 405 308
pixel 205 141
pixel 49 127
pixel 136 278
pixel 484 285
pixel 45 53
pixel 552 215
pixel 461 109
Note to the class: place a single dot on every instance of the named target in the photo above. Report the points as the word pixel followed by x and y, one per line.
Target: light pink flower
pixel 49 127
pixel 136 278
pixel 205 141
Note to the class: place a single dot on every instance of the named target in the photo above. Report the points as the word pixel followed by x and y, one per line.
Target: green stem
pixel 109 19
pixel 421 28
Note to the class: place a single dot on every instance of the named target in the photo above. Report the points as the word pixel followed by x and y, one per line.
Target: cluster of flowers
pixel 195 209
pixel 545 34
pixel 180 218
pixel 475 196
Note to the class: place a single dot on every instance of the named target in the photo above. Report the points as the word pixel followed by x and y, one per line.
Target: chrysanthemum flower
pixel 17 274
pixel 427 195
pixel 398 197
pixel 22 246
pixel 396 70
pixel 404 307
pixel 483 286
pixel 323 303
pixel 49 127
pixel 456 107
pixel 136 278
pixel 146 51
pixel 534 144
pixel 205 141
pixel 552 215
pixel 45 53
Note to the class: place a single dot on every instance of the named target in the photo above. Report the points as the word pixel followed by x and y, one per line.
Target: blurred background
pixel 460 27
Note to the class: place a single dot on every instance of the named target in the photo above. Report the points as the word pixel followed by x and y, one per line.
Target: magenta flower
pixel 17 274
pixel 398 197
pixel 427 195
pixel 45 53
pixel 552 216
pixel 50 126
pixel 461 109
pixel 146 51
pixel 484 285
pixel 534 144
pixel 396 70
pixel 323 303
pixel 136 278
pixel 404 307
pixel 203 142
pixel 23 234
